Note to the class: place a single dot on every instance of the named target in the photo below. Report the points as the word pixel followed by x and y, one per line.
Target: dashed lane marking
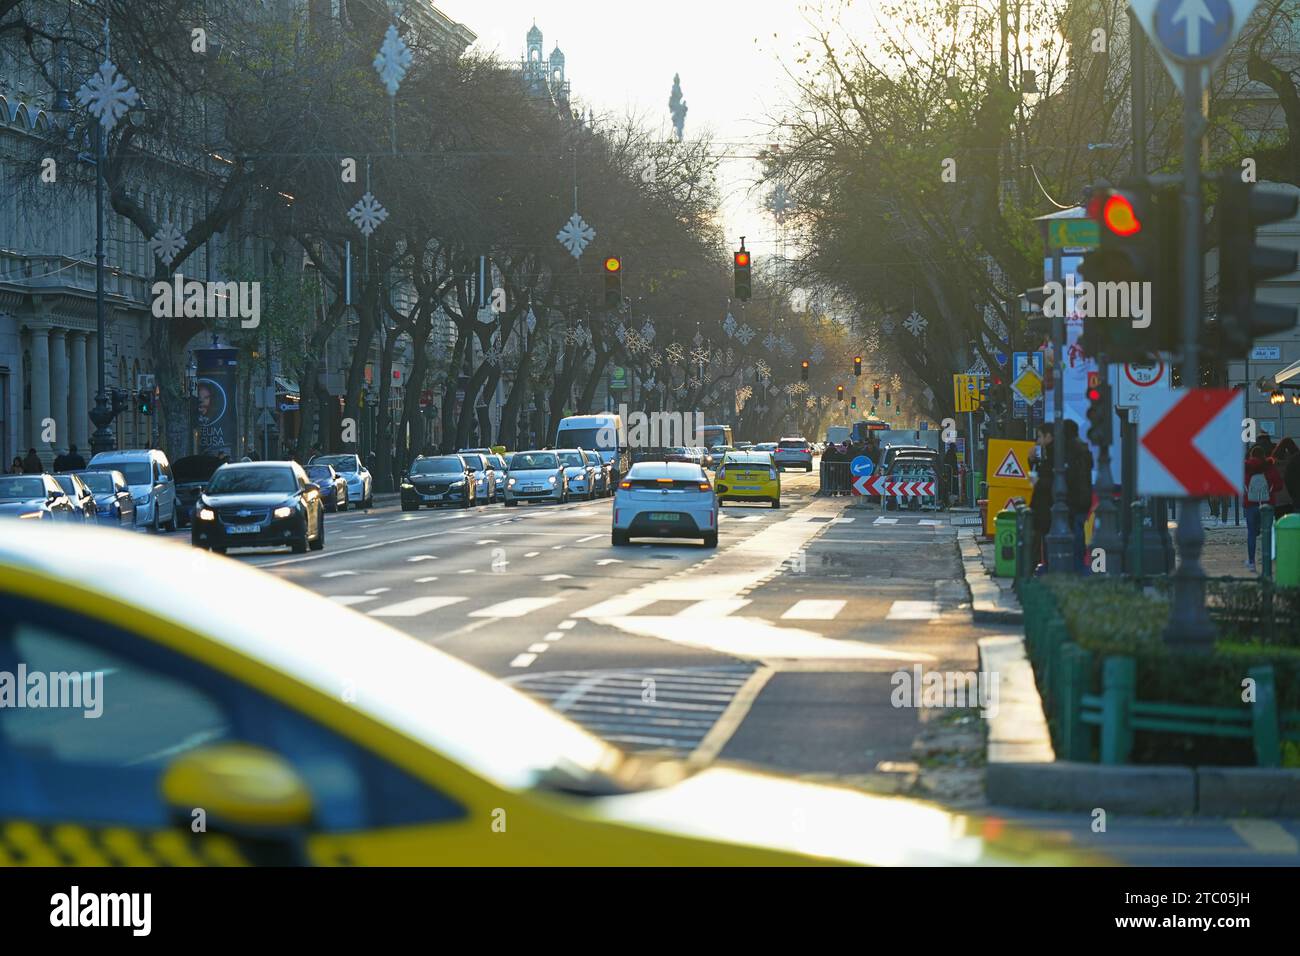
pixel 538 648
pixel 913 611
pixel 516 607
pixel 590 537
pixel 337 574
pixel 523 660
pixel 347 600
pixel 416 606
pixel 811 610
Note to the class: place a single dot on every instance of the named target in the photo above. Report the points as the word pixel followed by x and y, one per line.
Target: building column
pixel 40 389
pixel 92 367
pixel 79 405
pixel 59 389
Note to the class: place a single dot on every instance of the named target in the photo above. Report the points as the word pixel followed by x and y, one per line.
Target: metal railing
pixel 835 478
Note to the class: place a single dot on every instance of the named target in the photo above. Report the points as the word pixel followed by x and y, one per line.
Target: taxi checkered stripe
pixel 23 843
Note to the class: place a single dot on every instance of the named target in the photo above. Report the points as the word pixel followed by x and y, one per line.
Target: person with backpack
pixel 1262 485
pixel 1078 488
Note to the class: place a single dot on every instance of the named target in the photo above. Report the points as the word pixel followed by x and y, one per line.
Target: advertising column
pixel 218 412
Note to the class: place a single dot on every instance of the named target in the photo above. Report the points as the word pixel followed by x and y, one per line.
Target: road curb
pixel 1022 771
pixel 989 603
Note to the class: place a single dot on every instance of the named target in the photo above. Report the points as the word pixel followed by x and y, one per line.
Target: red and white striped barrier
pixel 877 485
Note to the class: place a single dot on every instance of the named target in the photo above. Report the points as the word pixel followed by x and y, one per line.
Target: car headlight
pixel 283 511
pixel 207 514
pixel 458 484
pixel 551 479
pixel 32 514
pixel 510 483
pixel 407 484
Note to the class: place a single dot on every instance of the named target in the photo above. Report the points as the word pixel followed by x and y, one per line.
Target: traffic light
pixel 1135 263
pixel 613 282
pixel 744 289
pixel 1099 415
pixel 119 397
pixel 888 398
pixel 145 401
pixel 875 393
pixel 839 392
pixel 853 401
pixel 803 370
pixel 857 365
pixel 1242 209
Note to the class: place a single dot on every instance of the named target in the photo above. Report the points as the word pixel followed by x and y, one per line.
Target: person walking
pixel 32 463
pixel 1291 478
pixel 1285 452
pixel 1040 505
pixel 1078 485
pixel 1262 484
pixel 16 466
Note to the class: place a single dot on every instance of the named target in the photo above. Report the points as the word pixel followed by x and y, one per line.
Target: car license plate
pixel 661 516
pixel 747 488
pixel 243 528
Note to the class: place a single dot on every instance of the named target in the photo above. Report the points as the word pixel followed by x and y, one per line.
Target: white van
pixel 601 433
pixel 148 474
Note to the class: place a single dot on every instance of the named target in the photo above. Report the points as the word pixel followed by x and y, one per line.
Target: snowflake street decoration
pixel 770 342
pixel 107 95
pixel 694 382
pixel 810 402
pixel 744 392
pixel 825 400
pixel 654 360
pixel 634 343
pixel 675 353
pixel 787 347
pixel 167 243
pixel 393 60
pixel 368 213
pixel 896 382
pixel 729 357
pixel 530 320
pixel 818 353
pixel 888 324
pixel 700 355
pixel 648 332
pixel 762 369
pixel 493 356
pixel 620 333
pixel 576 235
pixel 575 336
pixel 745 335
pixel 699 339
pixel 729 325
pixel 915 323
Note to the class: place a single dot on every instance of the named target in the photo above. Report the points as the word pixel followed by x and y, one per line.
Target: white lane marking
pixel 366 520
pixel 1265 836
pixel 843 520
pixel 538 648
pixel 590 537
pixel 616 607
pixel 487 541
pixel 738 519
pixel 352 537
pixel 913 611
pixel 930 523
pixel 516 607
pixel 378 590
pixel 553 636
pixel 415 606
pixel 566 625
pixel 337 574
pixel 753 638
pixel 717 607
pixel 523 660
pixel 467 571
pixel 557 547
pixel 424 580
pixel 604 561
pixel 421 557
pixel 556 577
pixel 532 554
pixel 810 610
pixel 347 600
pixel 885 521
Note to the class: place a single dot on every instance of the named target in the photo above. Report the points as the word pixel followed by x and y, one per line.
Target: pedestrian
pixel 950 472
pixel 1078 487
pixel 1291 478
pixel 1041 503
pixel 1262 484
pixel 32 463
pixel 1285 452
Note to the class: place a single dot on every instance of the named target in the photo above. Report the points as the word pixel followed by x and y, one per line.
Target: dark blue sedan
pixel 113 502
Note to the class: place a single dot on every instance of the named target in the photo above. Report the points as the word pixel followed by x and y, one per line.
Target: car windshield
pixel 587 438
pixel 793 443
pixel 252 481
pixel 67 484
pixel 437 466
pixel 572 458
pixel 474 461
pixel 346 463
pixel 100 482
pixel 534 461
pixel 316 473
pixel 135 472
pixel 11 487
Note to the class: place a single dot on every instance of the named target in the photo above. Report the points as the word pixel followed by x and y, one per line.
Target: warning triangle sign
pixel 1010 467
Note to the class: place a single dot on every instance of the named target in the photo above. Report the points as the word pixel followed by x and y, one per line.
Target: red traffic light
pixel 613 264
pixel 1094 394
pixel 742 260
pixel 1119 216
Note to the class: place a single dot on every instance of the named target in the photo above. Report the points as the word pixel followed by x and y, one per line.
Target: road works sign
pixel 1189 443
pixel 889 488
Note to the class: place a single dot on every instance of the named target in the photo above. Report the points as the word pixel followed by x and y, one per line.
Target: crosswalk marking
pixel 714 607
pixel 913 611
pixel 616 607
pixel 416 606
pixel 1265 836
pixel 347 600
pixel 883 520
pixel 516 607
pixel 813 610
pixel 930 522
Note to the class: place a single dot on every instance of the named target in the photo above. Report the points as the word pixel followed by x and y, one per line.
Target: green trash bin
pixel 1005 542
pixel 1286 534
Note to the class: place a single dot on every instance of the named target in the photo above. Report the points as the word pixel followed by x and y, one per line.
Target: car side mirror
pixel 244 789
pixel 312 486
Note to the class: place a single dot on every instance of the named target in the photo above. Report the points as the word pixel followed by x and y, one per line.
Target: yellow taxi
pixel 748 476
pixel 162 706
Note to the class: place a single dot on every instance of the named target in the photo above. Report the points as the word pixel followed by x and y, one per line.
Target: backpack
pixel 1257 490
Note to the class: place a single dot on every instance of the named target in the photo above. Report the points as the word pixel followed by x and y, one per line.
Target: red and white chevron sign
pixel 905 488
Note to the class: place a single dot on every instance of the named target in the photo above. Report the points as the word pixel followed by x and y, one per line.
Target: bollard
pixel 1266 540
pixel 1287 567
pixel 1022 544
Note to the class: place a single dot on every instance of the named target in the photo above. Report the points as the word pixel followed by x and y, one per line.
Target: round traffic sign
pixel 1194 31
pixel 862 466
pixel 1144 375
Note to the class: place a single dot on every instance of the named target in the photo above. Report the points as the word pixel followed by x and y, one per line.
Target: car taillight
pixel 705 486
pixel 625 484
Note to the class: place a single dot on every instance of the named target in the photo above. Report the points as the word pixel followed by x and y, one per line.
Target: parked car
pixel 602 472
pixel 439 480
pixel 665 500
pixel 37 497
pixel 82 498
pixel 149 475
pixel 192 473
pixel 578 473
pixel 333 486
pixel 113 502
pixel 259 503
pixel 535 476
pixel 361 485
pixel 793 452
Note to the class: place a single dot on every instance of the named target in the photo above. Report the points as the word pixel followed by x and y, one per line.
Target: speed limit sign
pixel 1134 379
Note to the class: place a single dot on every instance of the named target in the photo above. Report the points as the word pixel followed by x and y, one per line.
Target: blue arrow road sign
pixel 862 467
pixel 1194 31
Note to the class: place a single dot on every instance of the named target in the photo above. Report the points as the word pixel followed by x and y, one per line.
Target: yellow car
pixel 748 476
pixel 211 714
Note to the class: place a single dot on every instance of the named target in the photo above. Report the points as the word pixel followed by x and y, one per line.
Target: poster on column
pixel 217 414
pixel 1077 364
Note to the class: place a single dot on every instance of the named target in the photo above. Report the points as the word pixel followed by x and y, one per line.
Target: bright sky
pixel 621 56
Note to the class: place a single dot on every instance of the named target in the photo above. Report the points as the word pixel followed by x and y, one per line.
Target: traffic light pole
pixel 1060 537
pixel 1189 627
pixel 1107 538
